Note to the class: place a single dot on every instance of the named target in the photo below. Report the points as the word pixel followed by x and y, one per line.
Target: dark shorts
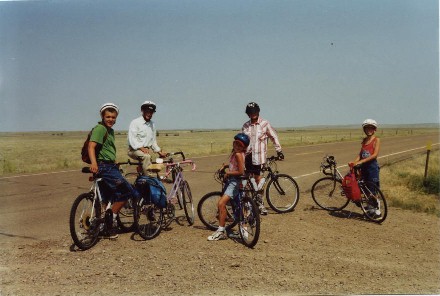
pixel 114 184
pixel 250 167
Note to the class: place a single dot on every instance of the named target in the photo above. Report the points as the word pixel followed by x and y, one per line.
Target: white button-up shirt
pixel 142 133
pixel 259 133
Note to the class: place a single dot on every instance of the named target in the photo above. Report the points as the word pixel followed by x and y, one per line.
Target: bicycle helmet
pixel 252 107
pixel 369 122
pixel 148 105
pixel 242 137
pixel 109 106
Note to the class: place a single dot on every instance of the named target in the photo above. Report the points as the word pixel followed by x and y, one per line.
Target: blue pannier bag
pixel 152 190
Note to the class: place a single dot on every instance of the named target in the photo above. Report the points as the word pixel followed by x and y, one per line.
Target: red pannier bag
pixel 350 186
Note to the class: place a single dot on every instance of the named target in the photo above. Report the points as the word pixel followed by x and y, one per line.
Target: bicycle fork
pixel 277 186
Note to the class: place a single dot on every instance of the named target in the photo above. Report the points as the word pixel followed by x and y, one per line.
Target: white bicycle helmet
pixel 109 106
pixel 369 122
pixel 148 105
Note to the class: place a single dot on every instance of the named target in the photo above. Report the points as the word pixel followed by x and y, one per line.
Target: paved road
pixel 36 207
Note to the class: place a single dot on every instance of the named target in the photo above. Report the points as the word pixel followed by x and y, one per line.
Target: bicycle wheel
pixel 207 210
pixel 282 193
pixel 84 221
pixel 187 201
pixel 329 195
pixel 148 219
pixel 373 202
pixel 249 222
pixel 125 217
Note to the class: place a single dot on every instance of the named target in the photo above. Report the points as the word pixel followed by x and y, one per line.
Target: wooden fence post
pixel 428 151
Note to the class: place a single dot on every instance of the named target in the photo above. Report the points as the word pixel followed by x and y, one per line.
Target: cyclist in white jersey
pixel 259 131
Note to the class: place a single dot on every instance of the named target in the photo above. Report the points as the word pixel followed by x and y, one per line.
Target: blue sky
pixel 306 62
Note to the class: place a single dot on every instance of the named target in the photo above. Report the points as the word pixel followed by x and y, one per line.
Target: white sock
pixel 114 216
pixel 221 229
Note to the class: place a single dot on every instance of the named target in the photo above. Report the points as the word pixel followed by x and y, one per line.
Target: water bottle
pixel 261 184
pixel 254 184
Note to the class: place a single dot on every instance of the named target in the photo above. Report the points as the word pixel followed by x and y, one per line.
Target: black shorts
pixel 250 167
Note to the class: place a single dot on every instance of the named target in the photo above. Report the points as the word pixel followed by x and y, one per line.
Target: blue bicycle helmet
pixel 242 137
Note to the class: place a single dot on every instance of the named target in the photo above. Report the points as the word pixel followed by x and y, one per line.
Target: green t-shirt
pixel 108 150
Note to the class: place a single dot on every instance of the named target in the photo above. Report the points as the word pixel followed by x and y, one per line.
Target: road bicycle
pixel 151 218
pixel 242 210
pixel 282 191
pixel 329 194
pixel 88 218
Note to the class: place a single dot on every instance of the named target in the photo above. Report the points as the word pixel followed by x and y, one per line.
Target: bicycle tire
pixel 329 195
pixel 83 224
pixel 148 219
pixel 125 216
pixel 282 193
pixel 207 210
pixel 249 222
pixel 373 196
pixel 187 201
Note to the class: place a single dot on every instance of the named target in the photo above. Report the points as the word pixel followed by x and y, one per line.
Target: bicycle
pixel 282 191
pixel 88 219
pixel 329 194
pixel 150 218
pixel 241 210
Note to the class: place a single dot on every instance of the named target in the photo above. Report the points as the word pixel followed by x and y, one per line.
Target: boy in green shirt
pixel 102 153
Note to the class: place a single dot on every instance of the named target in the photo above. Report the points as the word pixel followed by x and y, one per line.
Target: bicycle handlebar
pixel 273 158
pixel 188 161
pixel 176 153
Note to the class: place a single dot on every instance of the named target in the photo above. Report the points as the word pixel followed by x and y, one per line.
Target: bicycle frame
pixel 178 179
pixel 94 189
pixel 271 173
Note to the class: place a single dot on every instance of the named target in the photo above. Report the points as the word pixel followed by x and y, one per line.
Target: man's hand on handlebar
pixel 163 154
pixel 280 155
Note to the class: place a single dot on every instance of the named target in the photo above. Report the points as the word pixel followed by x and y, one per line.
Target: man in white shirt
pixel 142 136
pixel 259 131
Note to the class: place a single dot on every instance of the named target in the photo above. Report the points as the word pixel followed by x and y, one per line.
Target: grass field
pixel 404 185
pixel 50 151
pixel 402 182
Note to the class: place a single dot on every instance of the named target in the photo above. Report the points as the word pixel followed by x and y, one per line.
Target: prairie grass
pixel 404 185
pixel 51 151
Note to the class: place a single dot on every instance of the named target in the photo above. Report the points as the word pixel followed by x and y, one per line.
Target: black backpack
pixel 85 149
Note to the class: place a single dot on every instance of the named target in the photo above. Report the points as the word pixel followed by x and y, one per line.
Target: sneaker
pixel 244 233
pixel 217 235
pixel 369 209
pixel 372 211
pixel 263 210
pixel 234 235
